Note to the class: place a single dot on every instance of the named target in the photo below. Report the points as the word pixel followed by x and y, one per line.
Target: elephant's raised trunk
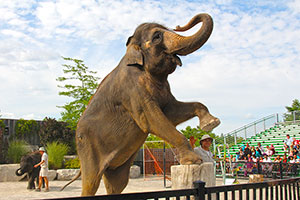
pixel 19 172
pixel 184 45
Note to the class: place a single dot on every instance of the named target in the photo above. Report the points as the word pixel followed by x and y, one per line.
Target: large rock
pixel 8 173
pixel 135 171
pixel 67 174
pixel 183 176
pixel 52 174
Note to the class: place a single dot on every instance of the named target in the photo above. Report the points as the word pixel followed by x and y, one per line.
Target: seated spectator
pixel 284 159
pixel 269 152
pixel 298 147
pixel 248 165
pixel 284 162
pixel 286 148
pixel 295 152
pixel 240 154
pixel 278 159
pixel 258 152
pixel 252 151
pixel 267 159
pixel 272 149
pixel 261 148
pixel 295 142
pixel 266 165
pixel 291 153
pixel 292 160
pixel 247 151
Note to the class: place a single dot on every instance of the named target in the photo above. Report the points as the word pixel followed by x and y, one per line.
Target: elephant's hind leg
pixel 116 180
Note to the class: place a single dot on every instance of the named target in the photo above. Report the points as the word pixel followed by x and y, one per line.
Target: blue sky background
pixel 248 69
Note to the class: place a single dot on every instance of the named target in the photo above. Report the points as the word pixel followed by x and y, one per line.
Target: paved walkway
pixel 17 190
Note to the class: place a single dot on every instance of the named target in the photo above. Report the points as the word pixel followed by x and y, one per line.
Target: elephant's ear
pixel 134 55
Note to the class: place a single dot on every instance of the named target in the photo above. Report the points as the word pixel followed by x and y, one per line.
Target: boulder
pixel 52 174
pixel 67 174
pixel 135 171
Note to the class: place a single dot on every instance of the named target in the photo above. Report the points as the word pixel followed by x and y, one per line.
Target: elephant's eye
pixel 157 37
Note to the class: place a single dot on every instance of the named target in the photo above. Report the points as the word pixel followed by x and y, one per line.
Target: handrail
pixel 251 124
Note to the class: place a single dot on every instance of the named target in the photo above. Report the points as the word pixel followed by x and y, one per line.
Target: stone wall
pixel 7 173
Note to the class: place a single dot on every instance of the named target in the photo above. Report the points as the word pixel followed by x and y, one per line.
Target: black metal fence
pixel 285 189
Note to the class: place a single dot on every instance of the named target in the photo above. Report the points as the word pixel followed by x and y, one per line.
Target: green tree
pixel 80 85
pixel 54 131
pixel 197 133
pixel 290 109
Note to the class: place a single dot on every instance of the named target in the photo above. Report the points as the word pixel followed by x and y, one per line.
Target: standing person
pixel 44 170
pixel 206 155
pixel 203 149
pixel 288 141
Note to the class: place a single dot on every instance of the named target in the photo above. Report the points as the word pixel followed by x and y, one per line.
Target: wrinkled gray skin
pixel 27 166
pixel 135 100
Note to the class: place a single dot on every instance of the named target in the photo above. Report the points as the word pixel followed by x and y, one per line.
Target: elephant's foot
pixel 189 157
pixel 209 122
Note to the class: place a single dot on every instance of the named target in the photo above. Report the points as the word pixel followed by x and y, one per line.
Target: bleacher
pixel 274 135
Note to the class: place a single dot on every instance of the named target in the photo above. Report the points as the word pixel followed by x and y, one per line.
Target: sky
pixel 248 68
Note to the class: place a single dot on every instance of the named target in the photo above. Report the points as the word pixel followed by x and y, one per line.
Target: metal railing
pixel 273 170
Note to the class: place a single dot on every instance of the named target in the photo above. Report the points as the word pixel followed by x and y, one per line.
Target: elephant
pixel 27 166
pixel 134 100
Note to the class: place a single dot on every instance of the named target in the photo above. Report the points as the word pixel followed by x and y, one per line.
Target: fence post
pixel 200 186
pixel 235 137
pixel 280 169
pixel 294 116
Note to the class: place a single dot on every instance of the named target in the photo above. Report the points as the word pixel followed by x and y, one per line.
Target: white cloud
pixel 247 68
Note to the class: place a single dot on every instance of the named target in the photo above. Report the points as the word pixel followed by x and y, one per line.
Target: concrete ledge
pixel 8 173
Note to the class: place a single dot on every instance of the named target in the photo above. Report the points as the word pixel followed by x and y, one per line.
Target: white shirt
pixel 206 156
pixel 267 160
pixel 45 158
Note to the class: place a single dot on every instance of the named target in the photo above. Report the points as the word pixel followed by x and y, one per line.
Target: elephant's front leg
pixel 178 112
pixel 153 120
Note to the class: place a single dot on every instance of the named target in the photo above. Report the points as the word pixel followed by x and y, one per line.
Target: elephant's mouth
pixel 177 60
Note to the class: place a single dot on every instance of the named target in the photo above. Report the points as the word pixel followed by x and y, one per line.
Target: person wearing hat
pixel 203 149
pixel 44 169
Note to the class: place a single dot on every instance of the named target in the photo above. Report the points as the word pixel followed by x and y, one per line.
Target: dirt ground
pixel 17 190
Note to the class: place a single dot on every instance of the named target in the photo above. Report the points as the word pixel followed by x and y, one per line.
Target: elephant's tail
pixel 76 177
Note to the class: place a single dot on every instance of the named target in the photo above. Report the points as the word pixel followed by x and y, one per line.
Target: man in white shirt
pixel 203 149
pixel 288 141
pixel 206 155
pixel 44 169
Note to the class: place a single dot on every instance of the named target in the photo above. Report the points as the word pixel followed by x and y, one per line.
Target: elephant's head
pixel 154 48
pixel 26 165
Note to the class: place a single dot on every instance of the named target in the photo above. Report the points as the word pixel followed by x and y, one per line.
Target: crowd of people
pixel 267 157
pixel 267 154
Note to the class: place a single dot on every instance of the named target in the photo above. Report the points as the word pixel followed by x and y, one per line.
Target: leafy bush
pixel 26 127
pixel 56 152
pixel 16 150
pixel 53 130
pixel 72 164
